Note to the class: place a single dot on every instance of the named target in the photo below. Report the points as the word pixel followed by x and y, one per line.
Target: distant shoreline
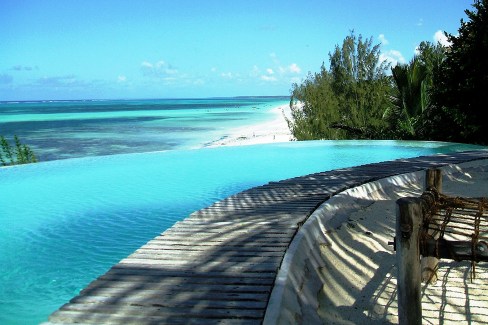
pixel 76 129
pixel 274 131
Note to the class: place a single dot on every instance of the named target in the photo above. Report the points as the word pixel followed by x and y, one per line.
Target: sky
pixel 118 49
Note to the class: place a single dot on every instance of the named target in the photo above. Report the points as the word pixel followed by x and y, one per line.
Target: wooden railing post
pixel 408 220
pixel 429 264
pixel 433 178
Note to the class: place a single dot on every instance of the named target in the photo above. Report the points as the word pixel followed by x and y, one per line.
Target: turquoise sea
pixel 64 222
pixel 70 129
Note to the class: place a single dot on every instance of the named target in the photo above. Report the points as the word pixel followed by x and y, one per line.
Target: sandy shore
pixel 268 132
pixel 344 270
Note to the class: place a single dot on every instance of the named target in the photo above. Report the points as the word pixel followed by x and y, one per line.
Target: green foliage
pixel 312 104
pixel 15 155
pixel 346 102
pixel 412 97
pixel 440 95
pixel 460 86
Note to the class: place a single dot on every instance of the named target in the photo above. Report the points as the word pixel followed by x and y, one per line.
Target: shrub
pixel 15 155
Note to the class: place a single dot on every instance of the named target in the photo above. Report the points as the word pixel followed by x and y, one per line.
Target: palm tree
pixel 411 98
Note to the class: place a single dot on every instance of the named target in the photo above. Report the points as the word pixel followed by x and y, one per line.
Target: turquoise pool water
pixel 65 222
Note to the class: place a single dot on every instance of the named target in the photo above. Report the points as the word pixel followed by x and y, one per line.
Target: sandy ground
pixel 269 132
pixel 359 276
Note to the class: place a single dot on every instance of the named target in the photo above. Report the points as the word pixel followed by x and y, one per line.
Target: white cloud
pixel 70 82
pixel 255 72
pixel 147 65
pixel 278 72
pixel 160 69
pixel 58 81
pixel 122 78
pixel 420 22
pixel 382 39
pixel 393 57
pixel 268 78
pixel 294 68
pixel 227 75
pixel 440 37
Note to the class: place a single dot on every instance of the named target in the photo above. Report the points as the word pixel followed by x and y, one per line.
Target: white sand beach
pixel 274 131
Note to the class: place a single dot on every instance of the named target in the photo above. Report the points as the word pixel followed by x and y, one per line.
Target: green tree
pixel 313 104
pixel 15 155
pixel 348 100
pixel 412 96
pixel 460 92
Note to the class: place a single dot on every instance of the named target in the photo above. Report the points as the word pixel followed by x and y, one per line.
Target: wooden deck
pixel 218 265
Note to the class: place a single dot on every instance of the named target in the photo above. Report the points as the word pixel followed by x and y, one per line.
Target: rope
pixel 454 216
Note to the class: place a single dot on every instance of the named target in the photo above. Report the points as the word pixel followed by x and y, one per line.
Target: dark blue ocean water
pixel 70 129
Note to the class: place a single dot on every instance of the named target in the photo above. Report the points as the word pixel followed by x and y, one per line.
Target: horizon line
pixel 137 98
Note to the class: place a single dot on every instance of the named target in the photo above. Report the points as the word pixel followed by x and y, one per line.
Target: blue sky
pixel 100 49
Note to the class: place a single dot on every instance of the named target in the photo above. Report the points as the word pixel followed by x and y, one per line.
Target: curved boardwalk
pixel 218 265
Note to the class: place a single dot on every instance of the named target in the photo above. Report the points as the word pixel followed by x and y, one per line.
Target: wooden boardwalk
pixel 218 265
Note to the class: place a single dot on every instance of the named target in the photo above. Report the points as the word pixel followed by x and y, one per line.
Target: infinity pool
pixel 63 223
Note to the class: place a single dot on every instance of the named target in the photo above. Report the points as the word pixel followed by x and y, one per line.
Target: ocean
pixel 72 129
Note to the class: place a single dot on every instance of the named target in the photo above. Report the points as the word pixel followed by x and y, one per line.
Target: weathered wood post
pixel 408 220
pixel 433 178
pixel 429 264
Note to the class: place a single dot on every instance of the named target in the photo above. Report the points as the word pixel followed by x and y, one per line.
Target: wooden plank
pixel 210 254
pixel 182 247
pixel 210 245
pixel 121 269
pixel 71 317
pixel 257 258
pixel 180 300
pixel 203 267
pixel 182 278
pixel 219 237
pixel 222 224
pixel 156 310
pixel 185 230
pixel 174 286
